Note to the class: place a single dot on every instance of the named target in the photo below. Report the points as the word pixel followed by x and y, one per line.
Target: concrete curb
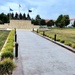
pixel 58 43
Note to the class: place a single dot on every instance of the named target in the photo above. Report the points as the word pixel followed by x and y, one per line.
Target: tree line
pixel 61 22
pixel 20 16
pixel 5 18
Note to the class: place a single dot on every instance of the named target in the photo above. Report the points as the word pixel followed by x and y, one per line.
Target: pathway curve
pixel 38 56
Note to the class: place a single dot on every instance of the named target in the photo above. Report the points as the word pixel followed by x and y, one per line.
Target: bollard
pixel 15 37
pixel 16 49
pixel 55 37
pixel 33 29
pixel 37 30
pixel 15 30
pixel 43 33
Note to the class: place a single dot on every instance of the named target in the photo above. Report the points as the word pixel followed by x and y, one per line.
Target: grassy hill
pixel 19 24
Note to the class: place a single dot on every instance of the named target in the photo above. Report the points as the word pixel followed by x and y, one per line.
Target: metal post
pixel 43 33
pixel 15 30
pixel 55 37
pixel 15 37
pixel 37 30
pixel 33 29
pixel 16 49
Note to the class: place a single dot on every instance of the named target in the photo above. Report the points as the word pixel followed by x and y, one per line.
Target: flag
pixel 19 5
pixel 11 9
pixel 29 10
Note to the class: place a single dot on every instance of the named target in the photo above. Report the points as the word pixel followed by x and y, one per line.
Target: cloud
pixel 49 9
pixel 42 7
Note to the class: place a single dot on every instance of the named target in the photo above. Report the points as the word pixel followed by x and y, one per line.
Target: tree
pixel 36 22
pixel 67 20
pixel 8 15
pixel 4 18
pixel 32 21
pixel 62 21
pixel 50 23
pixel 28 17
pixel 24 16
pixel 42 22
pixel 37 17
pixel 20 16
pixel 58 21
pixel 16 16
pixel 12 15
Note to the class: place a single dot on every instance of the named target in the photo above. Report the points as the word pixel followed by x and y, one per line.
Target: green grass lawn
pixel 65 34
pixel 3 37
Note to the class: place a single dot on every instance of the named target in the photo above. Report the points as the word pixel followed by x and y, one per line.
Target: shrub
pixel 7 54
pixel 62 41
pixel 47 35
pixel 6 66
pixel 68 43
pixel 1 69
pixel 52 37
pixel 57 39
pixel 73 45
pixel 10 44
pixel 9 48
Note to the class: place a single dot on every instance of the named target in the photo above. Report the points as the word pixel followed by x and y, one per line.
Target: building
pixel 71 22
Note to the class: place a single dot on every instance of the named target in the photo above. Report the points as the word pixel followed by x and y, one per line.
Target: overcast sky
pixel 47 9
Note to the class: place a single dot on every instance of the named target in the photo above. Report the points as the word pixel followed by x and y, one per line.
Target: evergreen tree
pixel 28 17
pixel 16 16
pixel 24 16
pixel 12 15
pixel 37 17
pixel 20 16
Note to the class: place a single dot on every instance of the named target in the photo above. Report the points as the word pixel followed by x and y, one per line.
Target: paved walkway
pixel 38 56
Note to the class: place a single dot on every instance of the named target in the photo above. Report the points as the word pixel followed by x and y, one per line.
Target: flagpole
pixel 19 10
pixel 9 16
